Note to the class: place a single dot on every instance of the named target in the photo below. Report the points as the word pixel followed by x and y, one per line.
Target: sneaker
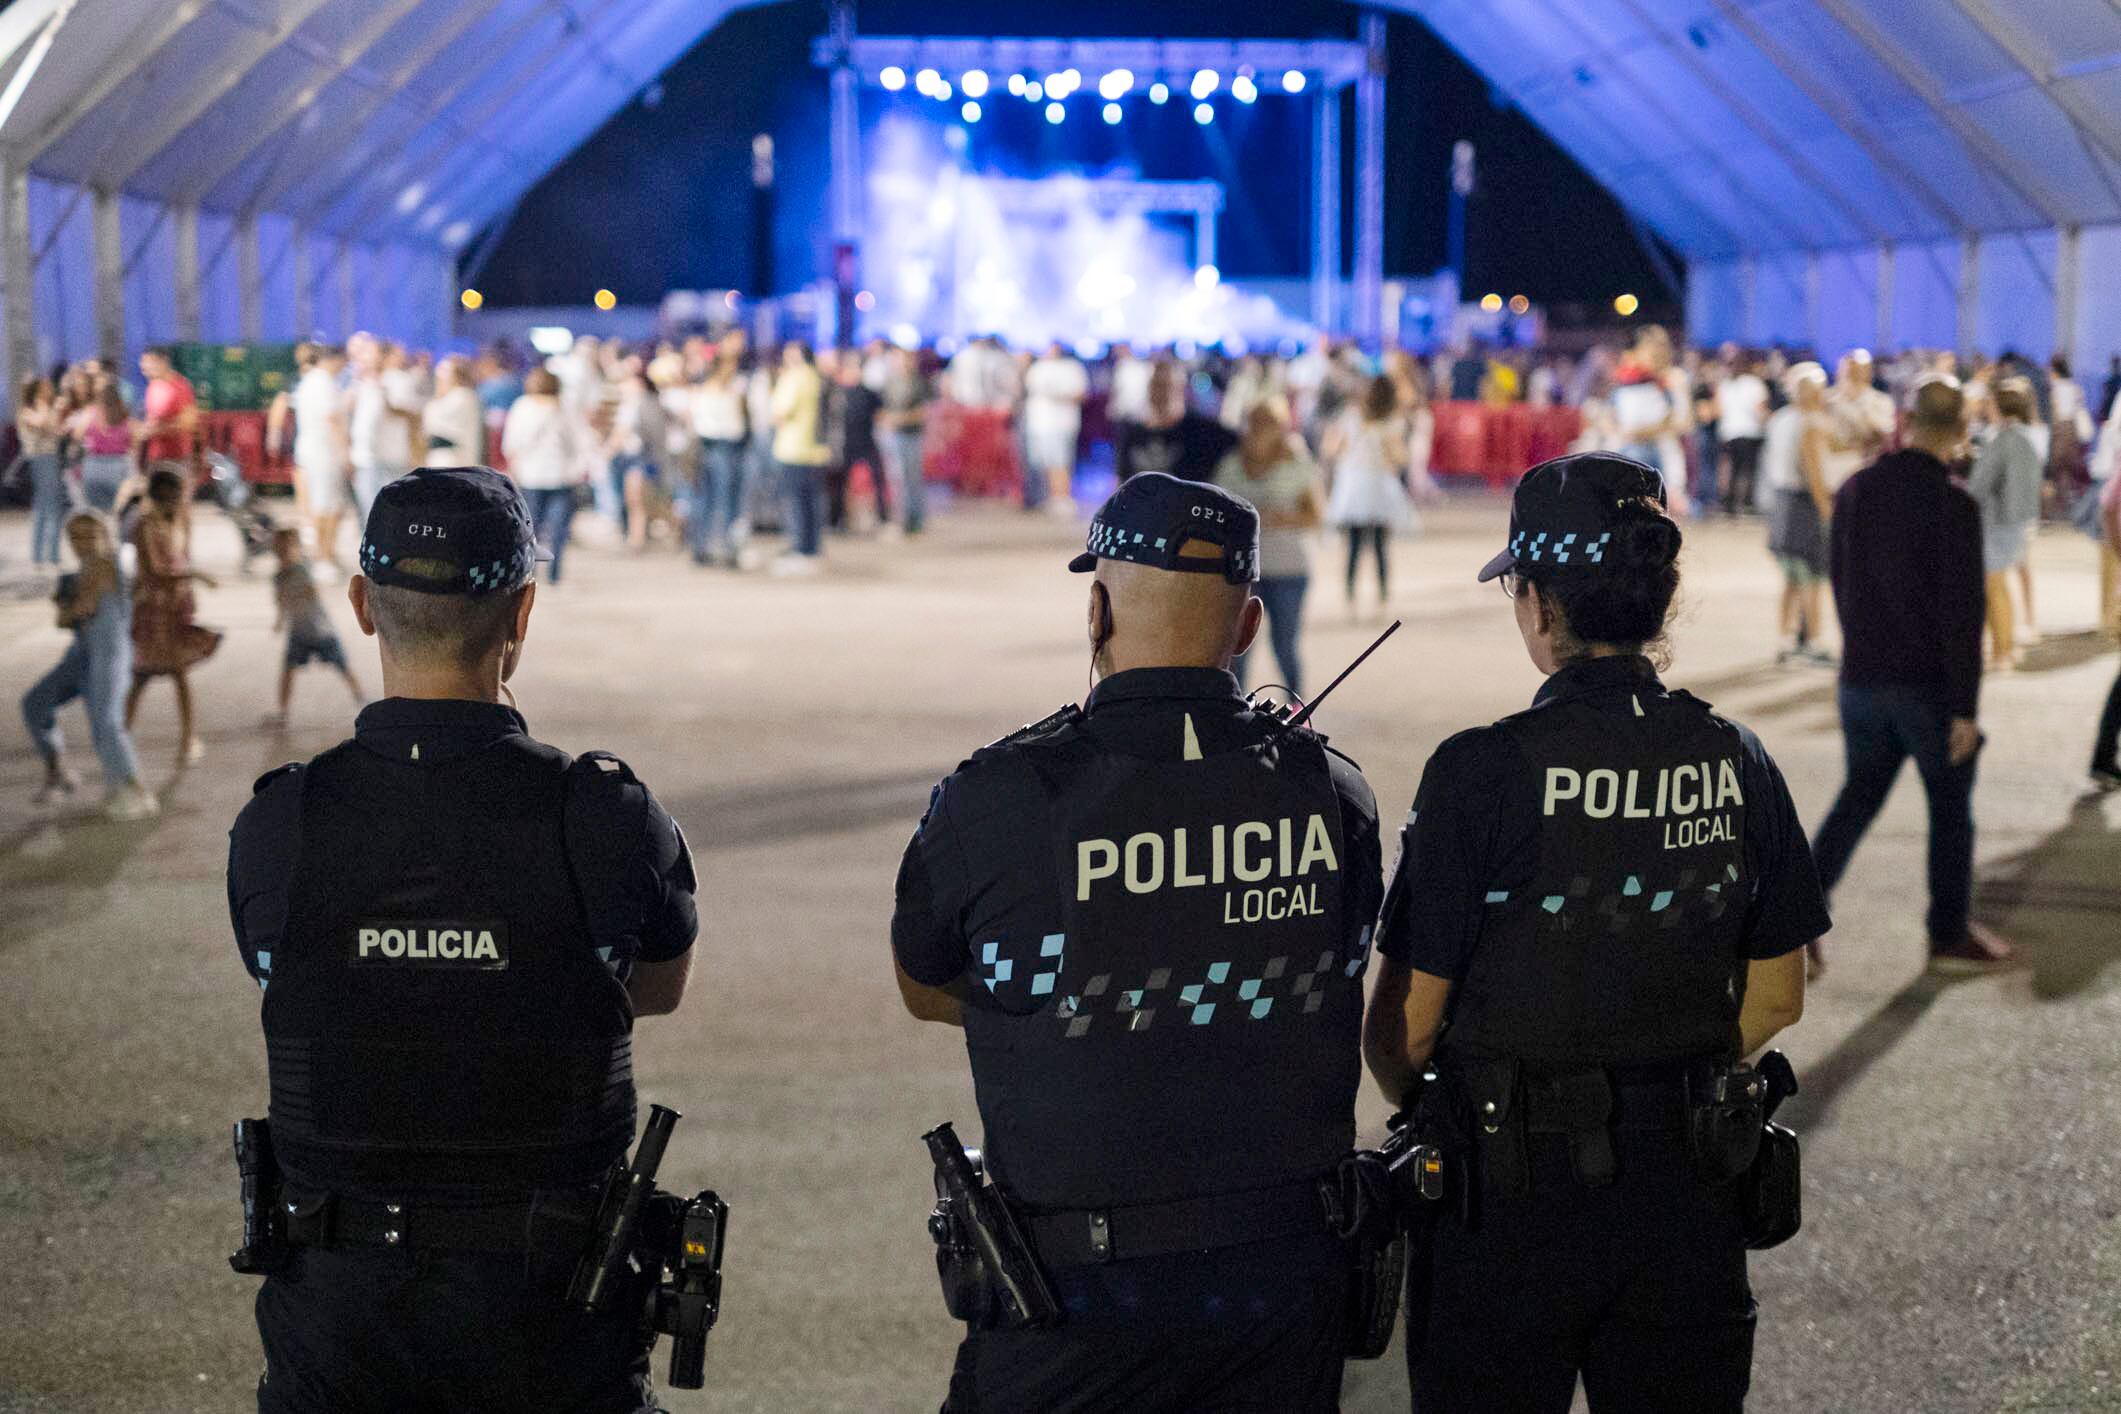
pixel 59 786
pixel 131 802
pixel 2106 777
pixel 1979 951
pixel 193 753
pixel 796 567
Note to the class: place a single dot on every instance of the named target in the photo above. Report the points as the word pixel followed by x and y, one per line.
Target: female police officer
pixel 1599 903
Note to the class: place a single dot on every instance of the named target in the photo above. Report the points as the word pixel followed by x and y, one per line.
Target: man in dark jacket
pixel 1906 563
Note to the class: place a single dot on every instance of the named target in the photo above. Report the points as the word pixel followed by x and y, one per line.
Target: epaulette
pixel 1042 730
pixel 258 786
pixel 602 765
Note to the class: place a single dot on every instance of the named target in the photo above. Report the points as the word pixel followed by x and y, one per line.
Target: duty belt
pixel 556 1224
pixel 1093 1236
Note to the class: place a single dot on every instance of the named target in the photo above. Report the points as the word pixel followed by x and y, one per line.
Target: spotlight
pixel 1159 94
pixel 971 111
pixel 1207 277
pixel 1034 91
pixel 864 301
pixel 1113 113
pixel 605 299
pixel 1491 302
pixel 1204 113
pixel 471 299
pixel 926 80
pixel 1016 85
pixel 974 83
pixel 941 91
pixel 1626 305
pixel 1206 82
pixel 1243 89
pixel 1074 78
pixel 892 78
pixel 1055 112
pixel 1115 84
pixel 1520 305
pixel 1293 81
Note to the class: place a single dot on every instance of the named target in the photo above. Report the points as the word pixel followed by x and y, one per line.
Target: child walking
pixel 167 642
pixel 93 602
pixel 310 636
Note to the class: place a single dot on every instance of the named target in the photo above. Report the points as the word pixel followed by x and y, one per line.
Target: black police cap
pixel 470 518
pixel 1149 519
pixel 1565 511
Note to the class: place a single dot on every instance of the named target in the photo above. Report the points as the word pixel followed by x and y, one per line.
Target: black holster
pixel 265 1246
pixel 1361 1210
pixel 1726 1107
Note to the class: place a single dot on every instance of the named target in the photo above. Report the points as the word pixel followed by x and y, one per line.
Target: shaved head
pixel 1149 617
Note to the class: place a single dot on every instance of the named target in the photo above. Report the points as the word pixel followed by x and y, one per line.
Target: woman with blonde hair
pixel 1271 469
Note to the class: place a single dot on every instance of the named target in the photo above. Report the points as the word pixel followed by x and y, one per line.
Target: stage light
pixel 1626 305
pixel 1293 81
pixel 1243 89
pixel 1204 113
pixel 605 299
pixel 1519 304
pixel 1206 82
pixel 1034 91
pixel 1159 93
pixel 1207 277
pixel 471 299
pixel 971 111
pixel 864 301
pixel 942 91
pixel 1074 78
pixel 1055 112
pixel 892 78
pixel 1115 84
pixel 1113 113
pixel 729 299
pixel 1491 302
pixel 974 83
pixel 926 80
pixel 1016 85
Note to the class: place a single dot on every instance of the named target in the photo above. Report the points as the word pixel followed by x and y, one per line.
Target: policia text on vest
pixel 1287 851
pixel 1699 795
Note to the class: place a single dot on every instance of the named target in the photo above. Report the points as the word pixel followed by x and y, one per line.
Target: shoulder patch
pixel 259 786
pixel 603 765
pixel 1045 729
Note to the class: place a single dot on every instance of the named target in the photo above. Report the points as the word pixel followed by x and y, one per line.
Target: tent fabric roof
pixel 1730 127
pixel 383 120
pixel 1736 127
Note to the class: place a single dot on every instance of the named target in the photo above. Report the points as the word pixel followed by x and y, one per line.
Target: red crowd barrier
pixel 1500 444
pixel 240 436
pixel 972 450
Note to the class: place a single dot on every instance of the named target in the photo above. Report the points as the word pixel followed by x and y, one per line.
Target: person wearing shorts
pixel 310 635
pixel 1793 461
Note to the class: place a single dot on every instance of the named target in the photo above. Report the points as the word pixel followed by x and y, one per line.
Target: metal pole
pixel 1811 301
pixel 1325 207
pixel 187 283
pixel 1203 237
pixel 250 287
pixel 342 262
pixel 305 293
pixel 110 278
pixel 1749 298
pixel 846 144
pixel 15 271
pixel 1969 293
pixel 1369 273
pixel 1886 278
pixel 2069 271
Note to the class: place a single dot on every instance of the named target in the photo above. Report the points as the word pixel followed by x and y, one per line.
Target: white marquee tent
pixel 1886 172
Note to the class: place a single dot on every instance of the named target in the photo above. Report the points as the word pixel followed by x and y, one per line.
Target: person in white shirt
pixel 719 423
pixel 1367 449
pixel 545 443
pixel 1653 412
pixel 1862 415
pixel 1129 401
pixel 453 421
pixel 1054 389
pixel 385 409
pixel 1741 427
pixel 319 404
pixel 1793 461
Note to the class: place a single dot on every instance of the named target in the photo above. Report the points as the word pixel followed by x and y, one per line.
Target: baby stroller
pixel 240 502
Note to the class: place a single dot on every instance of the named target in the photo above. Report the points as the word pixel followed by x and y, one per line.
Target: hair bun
pixel 1645 537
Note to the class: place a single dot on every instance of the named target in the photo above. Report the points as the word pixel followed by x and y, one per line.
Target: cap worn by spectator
pixel 471 518
pixel 1152 517
pixel 1563 514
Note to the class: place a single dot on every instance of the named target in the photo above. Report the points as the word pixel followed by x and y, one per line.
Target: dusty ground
pixel 1962 1249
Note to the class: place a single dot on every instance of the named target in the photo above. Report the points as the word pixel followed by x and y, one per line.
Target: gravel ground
pixel 1961 1250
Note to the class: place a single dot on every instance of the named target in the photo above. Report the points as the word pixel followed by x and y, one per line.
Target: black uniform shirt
pixel 642 874
pixel 1474 831
pixel 982 862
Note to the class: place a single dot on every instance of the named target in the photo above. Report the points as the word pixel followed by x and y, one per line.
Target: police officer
pixel 454 926
pixel 1599 903
pixel 1151 916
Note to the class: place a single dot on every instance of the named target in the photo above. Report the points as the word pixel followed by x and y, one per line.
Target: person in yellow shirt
pixel 801 455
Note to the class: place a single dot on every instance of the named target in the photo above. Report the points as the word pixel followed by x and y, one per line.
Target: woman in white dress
pixel 1367 450
pixel 319 403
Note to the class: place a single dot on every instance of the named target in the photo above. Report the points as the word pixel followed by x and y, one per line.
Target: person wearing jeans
pixel 38 423
pixel 907 394
pixel 96 604
pixel 1906 560
pixel 546 444
pixel 1271 470
pixel 800 455
pixel 718 421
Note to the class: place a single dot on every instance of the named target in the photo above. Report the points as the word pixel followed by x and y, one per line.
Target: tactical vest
pixel 437 1016
pixel 1627 946
pixel 1195 1027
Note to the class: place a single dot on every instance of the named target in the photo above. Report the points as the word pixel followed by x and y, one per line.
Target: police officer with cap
pixel 455 926
pixel 1151 916
pixel 1600 904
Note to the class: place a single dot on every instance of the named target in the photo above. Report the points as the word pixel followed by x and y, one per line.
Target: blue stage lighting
pixel 1204 113
pixel 1115 84
pixel 1016 85
pixel 1055 112
pixel 974 83
pixel 926 80
pixel 1243 89
pixel 971 111
pixel 1206 82
pixel 1159 93
pixel 942 90
pixel 1034 91
pixel 1113 113
pixel 893 78
pixel 1293 81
